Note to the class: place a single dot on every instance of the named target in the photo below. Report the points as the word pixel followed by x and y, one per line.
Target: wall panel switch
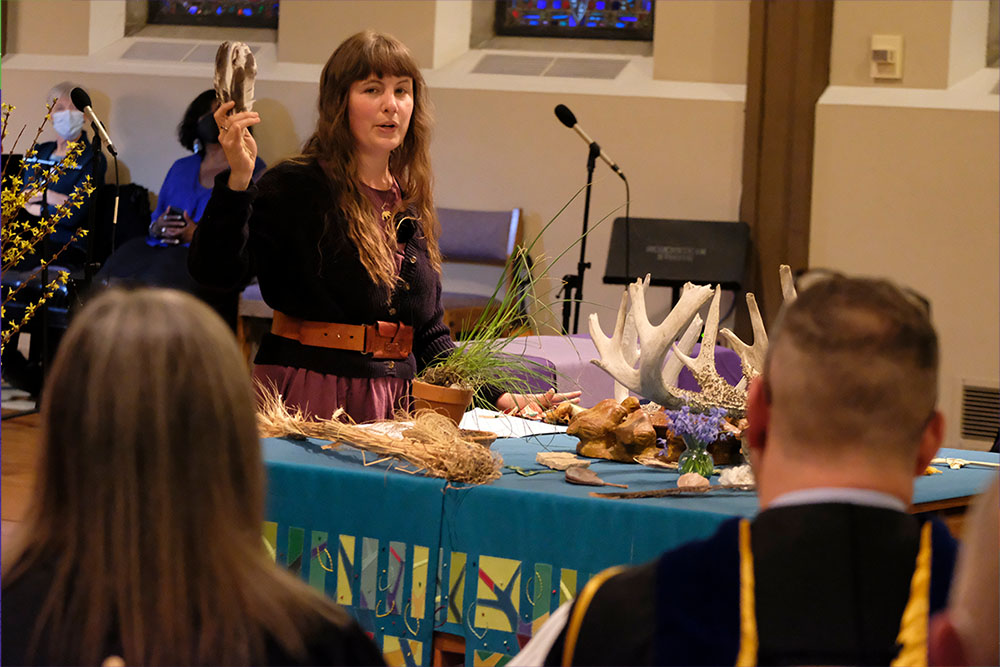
pixel 887 57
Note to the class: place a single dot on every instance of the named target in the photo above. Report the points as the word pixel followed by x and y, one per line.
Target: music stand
pixel 675 252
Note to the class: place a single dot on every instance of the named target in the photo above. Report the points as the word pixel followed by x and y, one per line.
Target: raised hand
pixel 533 405
pixel 238 143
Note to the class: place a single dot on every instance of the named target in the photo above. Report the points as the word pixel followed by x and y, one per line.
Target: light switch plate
pixel 886 57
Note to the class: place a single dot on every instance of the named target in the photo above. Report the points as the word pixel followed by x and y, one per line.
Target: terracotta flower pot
pixel 448 401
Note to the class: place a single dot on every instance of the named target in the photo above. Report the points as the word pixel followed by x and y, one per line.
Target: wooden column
pixel 788 68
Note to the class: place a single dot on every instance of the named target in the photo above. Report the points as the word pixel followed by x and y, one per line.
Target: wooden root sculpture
pixel 613 430
pixel 662 350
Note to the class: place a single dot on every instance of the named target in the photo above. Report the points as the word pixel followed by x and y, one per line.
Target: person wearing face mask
pixel 160 258
pixel 68 122
pixel 25 372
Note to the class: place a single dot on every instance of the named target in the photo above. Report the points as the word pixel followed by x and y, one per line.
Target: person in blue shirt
pixel 160 259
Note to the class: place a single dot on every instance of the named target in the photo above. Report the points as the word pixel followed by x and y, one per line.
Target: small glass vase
pixel 696 459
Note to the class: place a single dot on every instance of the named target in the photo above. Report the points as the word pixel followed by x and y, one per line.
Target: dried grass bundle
pixel 433 445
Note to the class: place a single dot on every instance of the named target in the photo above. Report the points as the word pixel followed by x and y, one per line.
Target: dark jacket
pixel 326 643
pixel 831 581
pixel 287 229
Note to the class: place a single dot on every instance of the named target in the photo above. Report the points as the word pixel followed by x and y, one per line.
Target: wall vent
pixel 980 412
pixel 187 51
pixel 578 68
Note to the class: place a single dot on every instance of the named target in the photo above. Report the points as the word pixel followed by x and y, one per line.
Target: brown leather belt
pixel 383 340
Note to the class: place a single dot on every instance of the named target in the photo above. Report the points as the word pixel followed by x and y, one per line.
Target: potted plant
pixel 477 366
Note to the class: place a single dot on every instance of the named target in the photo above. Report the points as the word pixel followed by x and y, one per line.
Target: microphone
pixel 81 100
pixel 567 118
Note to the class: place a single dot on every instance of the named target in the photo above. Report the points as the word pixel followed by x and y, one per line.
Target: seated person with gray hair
pixel 833 570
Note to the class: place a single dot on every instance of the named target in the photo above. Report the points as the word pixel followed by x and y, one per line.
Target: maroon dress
pixel 320 394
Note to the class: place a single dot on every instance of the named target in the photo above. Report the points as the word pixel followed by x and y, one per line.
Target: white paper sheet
pixel 506 426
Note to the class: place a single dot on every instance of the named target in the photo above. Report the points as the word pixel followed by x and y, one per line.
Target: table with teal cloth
pixel 410 555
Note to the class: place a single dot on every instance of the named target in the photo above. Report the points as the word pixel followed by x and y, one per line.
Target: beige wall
pixel 701 40
pixel 452 25
pixel 107 23
pixel 944 41
pixel 912 194
pixel 967 50
pixel 48 26
pixel 496 150
pixel 309 31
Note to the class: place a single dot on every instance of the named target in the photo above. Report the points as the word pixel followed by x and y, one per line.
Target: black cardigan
pixel 276 230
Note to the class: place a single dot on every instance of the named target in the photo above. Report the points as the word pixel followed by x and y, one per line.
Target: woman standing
pixel 343 239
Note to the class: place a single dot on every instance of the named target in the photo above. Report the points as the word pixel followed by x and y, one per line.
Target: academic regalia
pixel 828 583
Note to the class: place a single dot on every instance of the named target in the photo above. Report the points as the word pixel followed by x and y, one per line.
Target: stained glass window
pixel 605 19
pixel 230 13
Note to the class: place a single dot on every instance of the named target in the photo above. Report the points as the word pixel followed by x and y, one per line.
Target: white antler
pixel 752 356
pixel 654 341
pixel 788 292
pixel 630 346
pixel 714 388
pixel 656 380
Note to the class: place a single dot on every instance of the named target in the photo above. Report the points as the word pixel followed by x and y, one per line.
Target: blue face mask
pixel 67 123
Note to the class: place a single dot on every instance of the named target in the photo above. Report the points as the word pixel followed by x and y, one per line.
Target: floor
pixel 19 441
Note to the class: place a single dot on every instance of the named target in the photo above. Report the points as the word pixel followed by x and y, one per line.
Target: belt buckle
pixel 382 346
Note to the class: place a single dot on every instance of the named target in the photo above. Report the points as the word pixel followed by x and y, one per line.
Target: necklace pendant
pixel 386 216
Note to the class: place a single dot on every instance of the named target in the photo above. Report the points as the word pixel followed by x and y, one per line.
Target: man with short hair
pixel 833 570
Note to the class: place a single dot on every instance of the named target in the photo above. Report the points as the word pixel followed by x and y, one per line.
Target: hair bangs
pixel 384 57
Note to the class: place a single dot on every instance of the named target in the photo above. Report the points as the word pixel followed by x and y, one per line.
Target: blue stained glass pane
pixel 560 17
pixel 619 25
pixel 532 16
pixel 540 4
pixel 648 5
pixel 572 22
pixel 532 22
pixel 218 11
pixel 599 4
pixel 247 12
pixel 192 10
pixel 630 19
pixel 591 24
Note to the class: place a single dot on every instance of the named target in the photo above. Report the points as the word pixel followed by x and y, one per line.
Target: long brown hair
pixel 358 57
pixel 149 498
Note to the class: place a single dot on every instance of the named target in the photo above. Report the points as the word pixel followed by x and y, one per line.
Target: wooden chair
pixel 475 247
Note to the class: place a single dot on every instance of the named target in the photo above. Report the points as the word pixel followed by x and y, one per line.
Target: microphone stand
pixel 573 284
pixel 89 267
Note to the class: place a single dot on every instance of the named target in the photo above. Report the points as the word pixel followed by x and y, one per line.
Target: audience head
pixel 67 120
pixel 968 632
pixel 851 370
pixel 149 497
pixel 194 126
